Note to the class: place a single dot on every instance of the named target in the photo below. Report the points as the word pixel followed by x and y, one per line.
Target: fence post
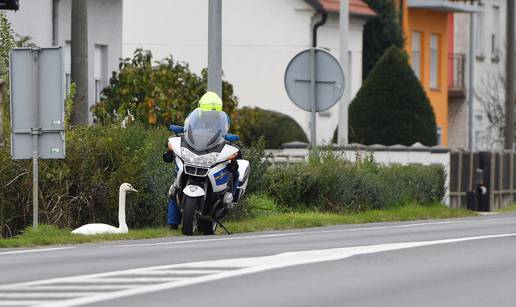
pixel 459 181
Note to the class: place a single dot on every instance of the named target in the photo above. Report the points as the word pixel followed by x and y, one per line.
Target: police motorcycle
pixel 206 160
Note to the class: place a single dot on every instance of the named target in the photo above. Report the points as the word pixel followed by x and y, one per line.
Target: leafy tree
pixel 276 128
pixel 155 93
pixel 8 40
pixel 392 107
pixel 381 32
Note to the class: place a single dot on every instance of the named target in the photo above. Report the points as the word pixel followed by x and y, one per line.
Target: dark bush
pixel 83 188
pixel 338 185
pixel 392 107
pixel 381 32
pixel 276 128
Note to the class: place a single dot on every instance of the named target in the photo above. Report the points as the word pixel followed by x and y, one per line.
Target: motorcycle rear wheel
pixel 189 215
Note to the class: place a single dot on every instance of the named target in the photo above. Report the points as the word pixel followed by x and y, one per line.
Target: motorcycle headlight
pixel 202 160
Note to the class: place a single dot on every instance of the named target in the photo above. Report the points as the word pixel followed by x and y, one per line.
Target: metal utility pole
pixel 509 85
pixel 79 51
pixel 471 83
pixel 215 47
pixel 344 62
pixel 2 82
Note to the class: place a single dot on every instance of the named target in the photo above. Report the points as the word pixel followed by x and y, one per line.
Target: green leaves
pixel 156 93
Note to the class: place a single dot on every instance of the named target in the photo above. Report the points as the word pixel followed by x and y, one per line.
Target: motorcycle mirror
pixel 176 129
pixel 232 138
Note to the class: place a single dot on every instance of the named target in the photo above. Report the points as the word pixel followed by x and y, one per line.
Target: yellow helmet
pixel 210 102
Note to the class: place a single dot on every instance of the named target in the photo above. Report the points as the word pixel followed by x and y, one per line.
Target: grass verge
pixel 281 221
pixel 49 235
pixel 511 208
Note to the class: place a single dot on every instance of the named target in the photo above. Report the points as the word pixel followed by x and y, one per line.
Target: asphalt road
pixel 460 262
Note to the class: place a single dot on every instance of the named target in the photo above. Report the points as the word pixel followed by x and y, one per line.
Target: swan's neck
pixel 121 210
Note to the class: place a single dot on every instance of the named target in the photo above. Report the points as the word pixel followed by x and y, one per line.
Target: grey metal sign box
pixel 37 75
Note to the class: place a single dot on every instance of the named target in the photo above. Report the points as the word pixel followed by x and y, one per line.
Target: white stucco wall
pixel 259 39
pixel 105 21
pixel 486 75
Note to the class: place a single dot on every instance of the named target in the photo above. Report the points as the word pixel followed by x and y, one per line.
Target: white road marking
pixel 40 295
pixel 35 250
pixel 316 232
pixel 246 265
pixel 24 303
pixel 59 288
pixel 127 280
pixel 175 272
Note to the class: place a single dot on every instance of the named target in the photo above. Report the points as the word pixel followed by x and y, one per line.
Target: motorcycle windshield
pixel 206 129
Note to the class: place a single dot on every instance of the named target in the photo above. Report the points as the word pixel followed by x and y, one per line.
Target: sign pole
pixel 215 47
pixel 35 137
pixel 313 98
pixel 343 137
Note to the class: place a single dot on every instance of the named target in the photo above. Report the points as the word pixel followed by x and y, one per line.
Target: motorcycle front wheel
pixel 189 215
pixel 207 226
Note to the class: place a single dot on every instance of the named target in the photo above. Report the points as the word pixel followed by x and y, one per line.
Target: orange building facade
pixel 427 40
pixel 428 29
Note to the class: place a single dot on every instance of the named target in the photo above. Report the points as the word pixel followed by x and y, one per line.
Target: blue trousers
pixel 174 214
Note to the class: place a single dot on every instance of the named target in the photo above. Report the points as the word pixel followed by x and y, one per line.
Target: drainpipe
pixel 471 83
pixel 316 26
pixel 55 23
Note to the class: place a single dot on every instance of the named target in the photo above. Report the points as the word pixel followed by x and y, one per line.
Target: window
pixel 439 135
pixel 434 61
pixel 495 36
pixel 479 31
pixel 100 70
pixel 68 66
pixel 416 54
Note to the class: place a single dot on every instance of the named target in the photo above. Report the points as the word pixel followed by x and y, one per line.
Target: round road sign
pixel 326 74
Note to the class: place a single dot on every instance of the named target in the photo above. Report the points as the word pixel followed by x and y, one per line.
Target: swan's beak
pixel 134 190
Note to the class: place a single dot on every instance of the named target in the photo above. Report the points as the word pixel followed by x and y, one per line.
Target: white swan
pixel 96 229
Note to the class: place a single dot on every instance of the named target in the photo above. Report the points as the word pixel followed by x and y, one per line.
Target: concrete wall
pixel 105 22
pixel 259 39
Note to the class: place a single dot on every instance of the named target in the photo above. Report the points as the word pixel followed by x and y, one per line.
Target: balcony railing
pixel 456 73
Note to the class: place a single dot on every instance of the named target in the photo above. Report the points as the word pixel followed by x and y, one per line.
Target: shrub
pixel 155 93
pixel 276 128
pixel 83 188
pixel 392 107
pixel 381 32
pixel 338 185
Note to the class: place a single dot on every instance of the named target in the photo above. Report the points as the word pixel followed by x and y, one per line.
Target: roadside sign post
pixel 35 138
pixel 314 82
pixel 37 109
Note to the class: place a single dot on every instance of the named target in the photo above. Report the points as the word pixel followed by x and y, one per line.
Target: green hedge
pixel 276 128
pixel 392 107
pixel 83 188
pixel 339 186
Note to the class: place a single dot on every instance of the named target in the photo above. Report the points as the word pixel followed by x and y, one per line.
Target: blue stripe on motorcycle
pixel 222 180
pixel 221 177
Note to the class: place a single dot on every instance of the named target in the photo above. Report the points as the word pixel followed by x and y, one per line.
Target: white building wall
pixel 489 67
pixel 105 21
pixel 259 39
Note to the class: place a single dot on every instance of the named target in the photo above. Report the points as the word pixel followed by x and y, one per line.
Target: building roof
pixel 445 5
pixel 356 7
